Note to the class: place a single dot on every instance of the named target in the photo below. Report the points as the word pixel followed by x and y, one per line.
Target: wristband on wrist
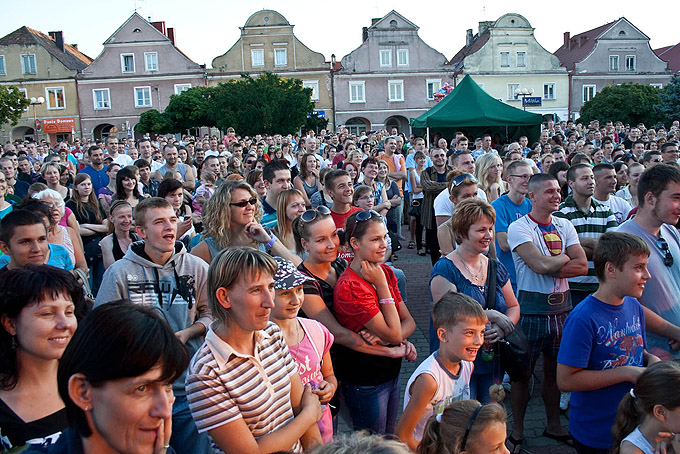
pixel 271 242
pixel 386 301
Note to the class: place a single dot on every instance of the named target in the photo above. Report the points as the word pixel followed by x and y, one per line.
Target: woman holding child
pixel 466 270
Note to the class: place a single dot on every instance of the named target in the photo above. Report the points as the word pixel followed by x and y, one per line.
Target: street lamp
pixel 524 92
pixel 36 102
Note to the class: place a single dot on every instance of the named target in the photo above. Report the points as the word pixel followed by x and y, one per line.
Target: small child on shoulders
pixel 444 376
pixel 204 191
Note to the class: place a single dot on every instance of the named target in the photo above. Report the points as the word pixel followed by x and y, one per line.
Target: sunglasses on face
pixel 662 244
pixel 244 203
pixel 313 213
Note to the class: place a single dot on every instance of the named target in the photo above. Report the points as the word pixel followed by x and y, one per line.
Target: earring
pixel 86 408
pixel 13 343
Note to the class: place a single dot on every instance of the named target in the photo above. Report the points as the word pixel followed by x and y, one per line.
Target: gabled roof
pixel 71 57
pixel 670 54
pixel 380 22
pixel 135 15
pixel 478 43
pixel 580 46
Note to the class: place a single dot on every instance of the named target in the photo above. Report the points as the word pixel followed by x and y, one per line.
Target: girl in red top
pixel 366 296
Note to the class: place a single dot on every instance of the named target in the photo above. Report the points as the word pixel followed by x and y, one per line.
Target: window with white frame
pixel 151 61
pixel 28 64
pixel 549 91
pixel 257 58
pixel 402 57
pixel 511 92
pixel 630 62
pixel 396 90
pixel 181 88
pixel 589 92
pixel 314 85
pixel 659 86
pixel 127 63
pixel 385 57
pixel 3 71
pixel 25 93
pixel 280 57
pixel 55 98
pixel 613 63
pixel 433 86
pixel 505 59
pixel 142 96
pixel 357 91
pixel 101 98
pixel 521 59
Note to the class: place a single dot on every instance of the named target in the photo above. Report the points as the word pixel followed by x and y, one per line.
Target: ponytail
pixel 432 442
pixel 628 417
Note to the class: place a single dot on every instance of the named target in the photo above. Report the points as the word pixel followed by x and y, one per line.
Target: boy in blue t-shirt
pixel 603 344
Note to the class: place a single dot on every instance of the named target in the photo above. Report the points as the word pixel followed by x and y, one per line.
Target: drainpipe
pixel 80 121
pixel 333 90
pixel 569 105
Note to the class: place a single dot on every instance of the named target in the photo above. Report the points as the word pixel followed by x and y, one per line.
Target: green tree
pixel 629 103
pixel 191 109
pixel 316 124
pixel 152 121
pixel 267 104
pixel 669 107
pixel 12 104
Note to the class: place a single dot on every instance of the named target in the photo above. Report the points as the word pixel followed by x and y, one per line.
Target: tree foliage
pixel 669 106
pixel 154 121
pixel 629 103
pixel 190 109
pixel 316 124
pixel 12 104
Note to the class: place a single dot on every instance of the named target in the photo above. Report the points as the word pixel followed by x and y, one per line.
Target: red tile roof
pixel 579 46
pixel 670 54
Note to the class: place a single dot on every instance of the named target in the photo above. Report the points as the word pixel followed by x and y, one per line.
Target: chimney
pixel 58 38
pixel 567 40
pixel 484 26
pixel 364 34
pixel 469 38
pixel 160 26
pixel 582 41
pixel 171 35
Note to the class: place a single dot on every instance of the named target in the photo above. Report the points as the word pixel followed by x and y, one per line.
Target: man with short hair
pixel 433 181
pixel 276 176
pixel 510 207
pixel 149 185
pixel 590 218
pixel 96 169
pixel 524 145
pixel 443 206
pixel 397 171
pixel 605 187
pixel 638 148
pixel 657 214
pixel 18 188
pixel 146 152
pixel 111 148
pixel 607 150
pixel 546 252
pixel 172 164
pixel 632 137
pixel 159 272
pixel 485 147
pixel 669 152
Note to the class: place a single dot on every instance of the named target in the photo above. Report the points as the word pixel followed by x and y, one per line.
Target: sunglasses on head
pixel 313 213
pixel 461 178
pixel 243 203
pixel 362 216
pixel 662 244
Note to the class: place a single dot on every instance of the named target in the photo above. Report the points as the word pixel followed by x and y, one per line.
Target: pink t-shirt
pixel 64 220
pixel 308 356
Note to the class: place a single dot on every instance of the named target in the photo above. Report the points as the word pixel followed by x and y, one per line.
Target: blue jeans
pixel 185 438
pixel 401 282
pixel 373 408
pixel 479 386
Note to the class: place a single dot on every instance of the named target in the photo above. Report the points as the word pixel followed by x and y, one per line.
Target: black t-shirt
pixel 87 216
pixel 41 431
pixel 320 287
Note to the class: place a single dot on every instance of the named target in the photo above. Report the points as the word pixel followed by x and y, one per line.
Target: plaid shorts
pixel 544 333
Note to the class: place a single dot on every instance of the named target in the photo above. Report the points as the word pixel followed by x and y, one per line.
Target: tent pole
pixel 428 137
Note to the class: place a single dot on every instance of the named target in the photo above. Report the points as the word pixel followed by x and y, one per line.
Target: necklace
pixel 297 335
pixel 476 277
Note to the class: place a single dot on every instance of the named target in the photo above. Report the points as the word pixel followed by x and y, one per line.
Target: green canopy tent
pixel 470 109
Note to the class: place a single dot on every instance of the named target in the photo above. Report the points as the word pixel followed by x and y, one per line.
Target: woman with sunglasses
pixel 231 218
pixel 465 270
pixel 366 297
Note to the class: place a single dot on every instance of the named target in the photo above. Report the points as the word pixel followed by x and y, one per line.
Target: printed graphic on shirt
pixel 625 341
pixel 460 393
pixel 552 238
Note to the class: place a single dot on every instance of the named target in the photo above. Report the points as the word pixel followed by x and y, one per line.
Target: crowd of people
pixel 232 295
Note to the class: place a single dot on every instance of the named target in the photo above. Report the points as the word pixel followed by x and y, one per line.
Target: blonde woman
pixel 289 205
pixel 488 172
pixel 51 173
pixel 231 217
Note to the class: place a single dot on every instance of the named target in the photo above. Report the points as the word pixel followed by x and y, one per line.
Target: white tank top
pixel 639 441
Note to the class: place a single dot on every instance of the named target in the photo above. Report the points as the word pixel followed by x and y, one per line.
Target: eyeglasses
pixel 311 214
pixel 249 162
pixel 362 216
pixel 53 205
pixel 662 244
pixel 243 203
pixel 523 177
pixel 657 160
pixel 461 178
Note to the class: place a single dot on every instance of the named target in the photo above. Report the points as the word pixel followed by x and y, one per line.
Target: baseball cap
pixel 287 275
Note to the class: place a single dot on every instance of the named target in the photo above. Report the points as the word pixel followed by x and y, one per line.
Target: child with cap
pixel 309 341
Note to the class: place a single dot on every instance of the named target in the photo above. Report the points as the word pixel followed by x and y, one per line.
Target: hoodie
pixel 177 289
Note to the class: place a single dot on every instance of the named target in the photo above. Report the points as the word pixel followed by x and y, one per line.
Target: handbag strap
pixel 491 284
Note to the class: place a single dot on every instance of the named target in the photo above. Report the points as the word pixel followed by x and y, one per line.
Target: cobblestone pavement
pixel 417 269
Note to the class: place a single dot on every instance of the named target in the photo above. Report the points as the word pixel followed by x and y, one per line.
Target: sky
pixel 210 27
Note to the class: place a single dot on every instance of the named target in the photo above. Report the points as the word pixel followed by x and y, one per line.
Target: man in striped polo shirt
pixel 590 218
pixel 243 385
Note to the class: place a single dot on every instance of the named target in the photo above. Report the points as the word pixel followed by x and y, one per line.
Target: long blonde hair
pixel 482 166
pixel 282 201
pixel 217 212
